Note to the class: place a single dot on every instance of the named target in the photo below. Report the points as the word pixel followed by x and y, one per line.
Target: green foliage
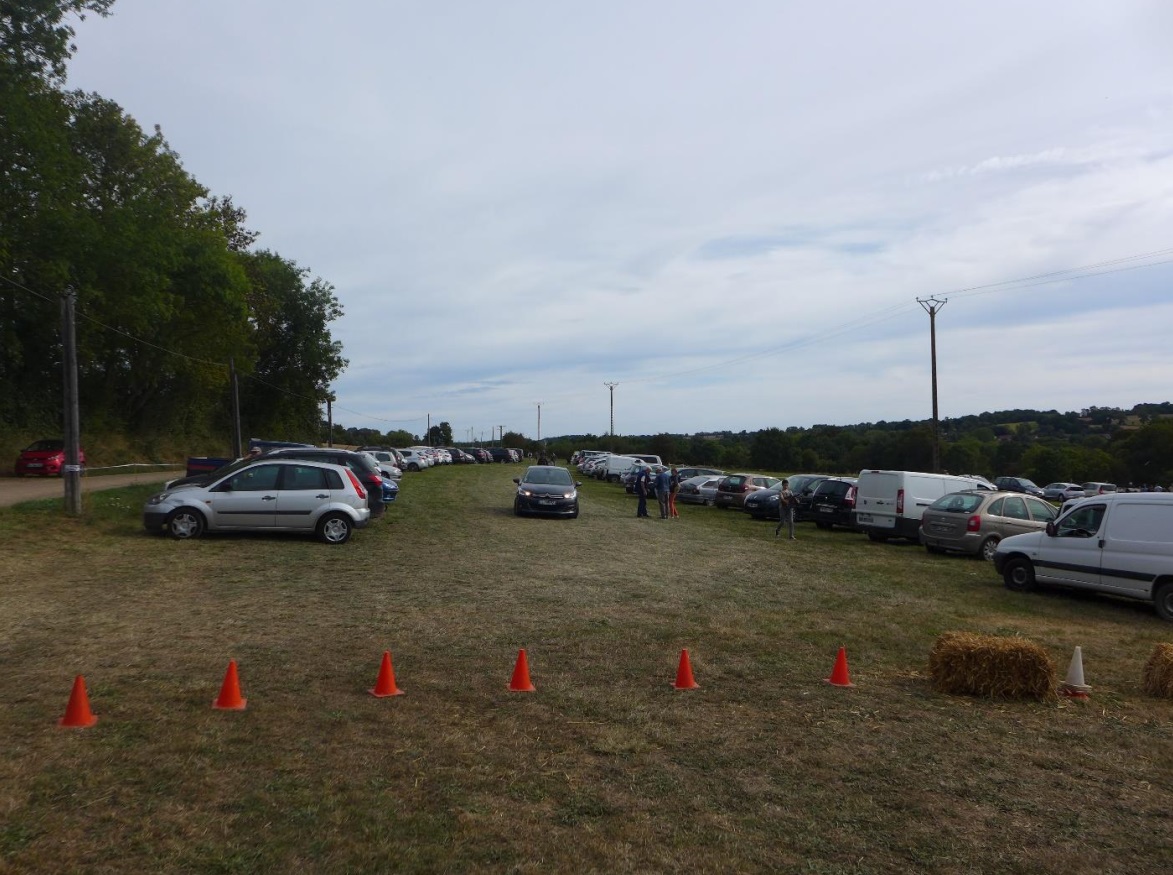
pixel 35 38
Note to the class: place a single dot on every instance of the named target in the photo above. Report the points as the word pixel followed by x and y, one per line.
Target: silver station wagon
pixel 975 521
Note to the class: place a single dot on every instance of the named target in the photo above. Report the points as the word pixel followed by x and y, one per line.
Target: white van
pixel 889 504
pixel 1119 543
pixel 617 466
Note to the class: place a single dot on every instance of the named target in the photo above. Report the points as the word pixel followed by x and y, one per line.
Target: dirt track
pixel 14 490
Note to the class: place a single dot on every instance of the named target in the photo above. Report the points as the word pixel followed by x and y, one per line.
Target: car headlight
pixel 568 494
pixel 159 499
pixel 526 492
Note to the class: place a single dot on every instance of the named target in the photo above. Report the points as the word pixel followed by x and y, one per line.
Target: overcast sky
pixel 728 209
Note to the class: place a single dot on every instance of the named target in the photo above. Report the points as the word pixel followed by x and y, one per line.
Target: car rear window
pixel 957 502
pixel 731 482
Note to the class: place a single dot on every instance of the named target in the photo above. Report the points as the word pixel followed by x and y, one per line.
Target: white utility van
pixel 617 466
pixel 1119 543
pixel 889 504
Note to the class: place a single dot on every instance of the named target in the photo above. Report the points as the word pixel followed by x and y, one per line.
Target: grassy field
pixel 605 768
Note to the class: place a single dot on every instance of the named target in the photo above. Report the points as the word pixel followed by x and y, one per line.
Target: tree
pixel 36 40
pixel 440 435
pixel 772 450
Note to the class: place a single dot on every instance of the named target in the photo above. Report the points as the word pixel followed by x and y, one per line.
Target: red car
pixel 44 457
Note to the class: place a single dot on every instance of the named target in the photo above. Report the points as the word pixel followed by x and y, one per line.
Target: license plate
pixel 864 518
pixel 545 501
pixel 826 510
pixel 34 465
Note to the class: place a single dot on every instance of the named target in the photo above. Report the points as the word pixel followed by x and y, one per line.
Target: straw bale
pixel 1157 679
pixel 964 663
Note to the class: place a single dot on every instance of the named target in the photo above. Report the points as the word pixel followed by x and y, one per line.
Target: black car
pixel 500 454
pixel 832 502
pixel 764 503
pixel 546 489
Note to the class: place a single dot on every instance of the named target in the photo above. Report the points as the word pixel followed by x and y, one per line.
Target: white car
pixel 274 494
pixel 386 462
pixel 415 460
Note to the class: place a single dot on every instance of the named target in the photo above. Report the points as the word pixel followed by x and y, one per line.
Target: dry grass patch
pixel 605 768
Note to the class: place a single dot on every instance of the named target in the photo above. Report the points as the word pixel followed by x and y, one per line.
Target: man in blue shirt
pixel 642 482
pixel 663 490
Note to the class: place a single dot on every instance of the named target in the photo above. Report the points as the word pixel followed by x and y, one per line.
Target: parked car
pixel 689 473
pixel 1097 488
pixel 1118 543
pixel 832 502
pixel 272 493
pixel 698 490
pixel 500 454
pixel 546 490
pixel 803 487
pixel 45 457
pixel 1018 484
pixel 361 464
pixel 733 488
pixel 1062 492
pixel 975 521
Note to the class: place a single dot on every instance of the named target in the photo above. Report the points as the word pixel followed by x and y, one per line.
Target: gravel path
pixel 14 490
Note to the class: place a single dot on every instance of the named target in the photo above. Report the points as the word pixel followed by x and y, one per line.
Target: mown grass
pixel 605 768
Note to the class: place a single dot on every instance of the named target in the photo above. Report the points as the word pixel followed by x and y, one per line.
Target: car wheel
pixel 335 528
pixel 986 552
pixel 1019 575
pixel 1163 600
pixel 185 524
pixel 413 467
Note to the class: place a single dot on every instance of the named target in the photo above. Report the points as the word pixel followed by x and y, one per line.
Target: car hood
pixel 1027 541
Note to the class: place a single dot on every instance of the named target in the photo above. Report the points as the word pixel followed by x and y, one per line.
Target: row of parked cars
pixel 1098 537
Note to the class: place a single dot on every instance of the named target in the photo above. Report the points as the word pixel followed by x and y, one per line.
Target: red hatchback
pixel 44 457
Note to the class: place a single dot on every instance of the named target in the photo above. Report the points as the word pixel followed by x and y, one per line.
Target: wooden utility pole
pixel 612 386
pixel 237 437
pixel 71 473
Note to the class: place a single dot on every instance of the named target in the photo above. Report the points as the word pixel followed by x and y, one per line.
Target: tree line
pixel 169 285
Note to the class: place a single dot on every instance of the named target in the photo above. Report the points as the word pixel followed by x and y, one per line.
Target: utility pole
pixel 539 403
pixel 933 306
pixel 71 473
pixel 429 434
pixel 330 419
pixel 612 386
pixel 237 437
pixel 502 433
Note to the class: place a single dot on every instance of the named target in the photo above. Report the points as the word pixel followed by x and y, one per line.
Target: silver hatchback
pixel 974 521
pixel 273 495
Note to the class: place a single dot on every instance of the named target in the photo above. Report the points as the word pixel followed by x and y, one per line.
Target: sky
pixel 728 210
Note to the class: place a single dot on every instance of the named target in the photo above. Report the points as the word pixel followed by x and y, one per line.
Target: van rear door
pixel 875 503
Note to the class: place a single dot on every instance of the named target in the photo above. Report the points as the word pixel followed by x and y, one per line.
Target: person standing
pixel 786 502
pixel 663 491
pixel 673 488
pixel 641 490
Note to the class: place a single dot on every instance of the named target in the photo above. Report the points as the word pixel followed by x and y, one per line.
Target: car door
pixel 247 499
pixel 304 490
pixel 1014 519
pixel 1073 555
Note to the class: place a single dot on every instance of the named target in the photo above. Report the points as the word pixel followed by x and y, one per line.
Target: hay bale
pixel 1157 679
pixel 982 665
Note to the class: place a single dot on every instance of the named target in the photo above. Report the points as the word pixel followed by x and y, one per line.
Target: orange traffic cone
pixel 229 699
pixel 77 712
pixel 385 685
pixel 521 682
pixel 684 678
pixel 839 676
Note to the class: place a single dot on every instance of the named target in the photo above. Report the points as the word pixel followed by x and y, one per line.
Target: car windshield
pixel 548 476
pixel 43 446
pixel 957 502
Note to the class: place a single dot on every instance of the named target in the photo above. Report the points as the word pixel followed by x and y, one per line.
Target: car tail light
pixel 362 493
pixel 974 523
pixel 849 498
pixel 900 501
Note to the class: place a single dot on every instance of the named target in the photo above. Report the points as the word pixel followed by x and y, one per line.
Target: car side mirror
pixel 577 483
pixel 517 480
pixel 1050 529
